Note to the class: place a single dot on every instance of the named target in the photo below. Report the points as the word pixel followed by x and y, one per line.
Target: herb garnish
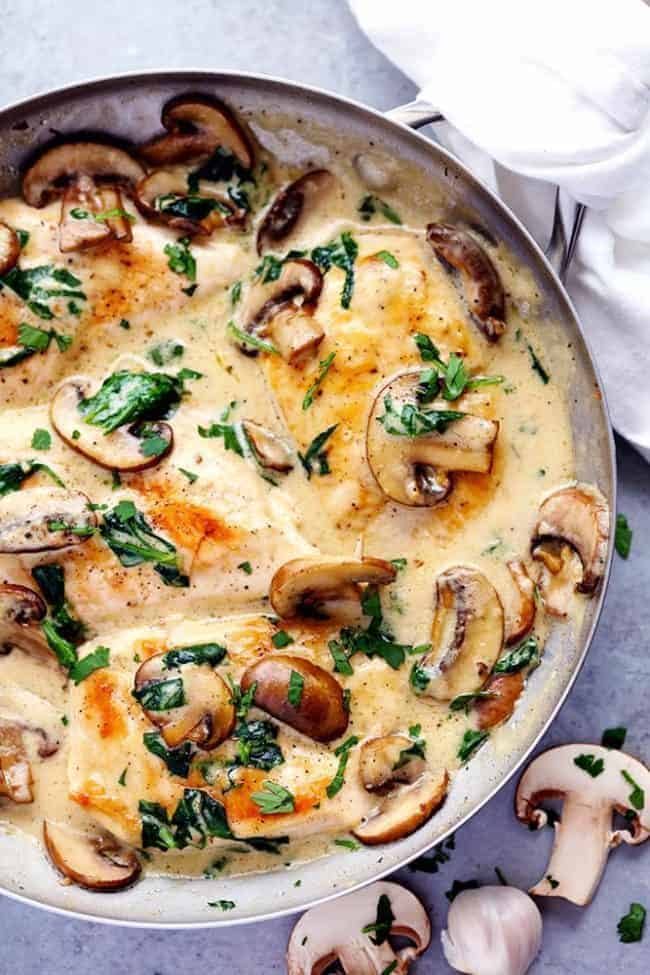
pixel 61 629
pixel 163 695
pixel 343 754
pixel 256 745
pixel 251 340
pixel 636 797
pixel 189 475
pixel 89 664
pixel 374 641
pixel 77 213
pixel 13 475
pixel 623 536
pixel 383 923
pixel 449 379
pixel 614 737
pixel 296 687
pixel 371 204
pixel 196 653
pixel 41 439
pixel 165 352
pixel 315 455
pixel 590 764
pixel 388 259
pixel 409 421
pixel 129 397
pixel 526 654
pixel 323 368
pixel 178 760
pixel 347 844
pixel 34 286
pixel 181 260
pixel 340 253
pixel 281 639
pixel 471 741
pixel 417 748
pixel 222 905
pixel 464 701
pixel 273 799
pixel 130 536
pixel 537 365
pixel 630 927
pixel 440 856
pixel 197 817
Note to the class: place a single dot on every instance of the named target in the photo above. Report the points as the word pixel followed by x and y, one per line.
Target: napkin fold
pixel 543 94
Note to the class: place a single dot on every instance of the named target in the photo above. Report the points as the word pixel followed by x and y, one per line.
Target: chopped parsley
pixel 165 352
pixel 196 653
pixel 340 657
pixel 89 664
pixel 417 748
pixel 281 639
pixel 451 378
pixel 471 741
pixel 235 293
pixel 231 433
pixel 222 905
pixel 122 778
pixel 41 439
pixel 373 641
pixel 623 536
pixel 343 754
pixel 296 687
pixel 387 258
pixel 340 253
pixel 273 799
pixel 181 260
pixel 246 567
pixel 36 286
pixel 12 475
pixel 630 927
pixel 464 701
pixel 370 205
pixel 409 421
pixel 323 368
pixel 131 538
pixel 440 856
pixel 38 339
pixel 129 397
pixel 347 844
pixel 196 818
pixel 636 797
pixel 614 737
pixel 537 365
pixel 162 695
pixel 189 475
pixel 315 457
pixel 251 340
pixel 256 745
pixel 590 764
pixel 526 654
pixel 379 931
pixel 178 760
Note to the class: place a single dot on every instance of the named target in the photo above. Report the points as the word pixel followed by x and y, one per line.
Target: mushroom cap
pixel 466 634
pixel 320 713
pixel 97 860
pixel 196 126
pixel 271 451
pixel 520 611
pixel 303 201
pixel 168 182
pixel 482 285
pixel 413 471
pixel 9 248
pixel 26 518
pixel 578 516
pixel 206 718
pixel 120 450
pixel 56 167
pixel 334 930
pixel 326 587
pixel 404 809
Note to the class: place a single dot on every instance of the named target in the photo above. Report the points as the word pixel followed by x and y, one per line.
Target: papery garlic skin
pixel 492 931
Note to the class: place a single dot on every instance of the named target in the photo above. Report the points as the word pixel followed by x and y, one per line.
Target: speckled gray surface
pixel 45 44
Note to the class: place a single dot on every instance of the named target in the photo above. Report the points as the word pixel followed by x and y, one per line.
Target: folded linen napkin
pixel 538 94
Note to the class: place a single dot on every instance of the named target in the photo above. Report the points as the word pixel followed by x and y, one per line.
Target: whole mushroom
pixel 197 125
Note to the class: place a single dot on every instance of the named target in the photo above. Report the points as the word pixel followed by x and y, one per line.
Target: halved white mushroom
pixel 196 126
pixel 326 588
pixel 9 248
pixel 121 450
pixel 594 782
pixel 337 930
pixel 413 470
pixel 90 176
pixel 520 610
pixel 466 634
pixel 271 452
pixel 408 791
pixel 44 518
pixel 304 201
pixel 482 285
pixel 164 196
pixel 576 516
pixel 188 703
pixel 21 613
pixel 97 860
pixel 283 310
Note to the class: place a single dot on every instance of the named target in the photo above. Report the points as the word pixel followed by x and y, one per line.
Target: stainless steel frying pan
pixel 129 106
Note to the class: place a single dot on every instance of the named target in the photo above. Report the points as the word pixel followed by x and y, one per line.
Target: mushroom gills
pixel 96 861
pixel 326 588
pixel 44 518
pixel 579 517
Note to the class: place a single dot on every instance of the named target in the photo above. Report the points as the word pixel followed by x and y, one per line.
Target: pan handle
pixel 560 250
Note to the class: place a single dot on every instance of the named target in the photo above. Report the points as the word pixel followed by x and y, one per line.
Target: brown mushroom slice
pixel 97 860
pixel 21 613
pixel 283 310
pixel 196 126
pixel 502 692
pixel 336 930
pixel 318 712
pixel 164 196
pixel 560 574
pixel 15 769
pixel 204 713
pixel 482 285
pixel 88 175
pixel 305 200
pixel 9 248
pixel 593 782
pixel 121 450
pixel 466 634
pixel 413 471
pixel 579 517
pixel 44 518
pixel 326 588
pixel 271 452
pixel 520 611
pixel 408 793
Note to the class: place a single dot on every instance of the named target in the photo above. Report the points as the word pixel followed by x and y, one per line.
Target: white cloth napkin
pixel 539 93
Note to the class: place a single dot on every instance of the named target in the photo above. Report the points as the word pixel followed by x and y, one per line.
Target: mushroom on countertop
pixel 326 588
pixel 307 199
pixel 96 861
pixel 283 310
pixel 412 469
pixel 482 285
pixel 9 248
pixel 90 177
pixel 334 930
pixel 196 126
pixel 41 519
pixel 593 782
pixel 408 791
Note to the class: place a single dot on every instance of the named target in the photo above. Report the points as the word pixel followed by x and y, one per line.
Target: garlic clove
pixel 492 931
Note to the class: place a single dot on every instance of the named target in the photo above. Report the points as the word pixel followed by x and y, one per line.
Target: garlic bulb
pixel 492 931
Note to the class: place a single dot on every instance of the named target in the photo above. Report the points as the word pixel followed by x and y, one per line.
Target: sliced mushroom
pixel 408 792
pixel 560 574
pixel 319 711
pixel 335 930
pixel 204 715
pixel 594 782
pixel 164 196
pixel 97 860
pixel 520 612
pixel 413 471
pixel 503 692
pixel 15 769
pixel 271 452
pixel 21 613
pixel 482 285
pixel 579 517
pixel 305 200
pixel 44 518
pixel 284 310
pixel 197 126
pixel 121 450
pixel 89 176
pixel 326 588
pixel 9 248
pixel 466 635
